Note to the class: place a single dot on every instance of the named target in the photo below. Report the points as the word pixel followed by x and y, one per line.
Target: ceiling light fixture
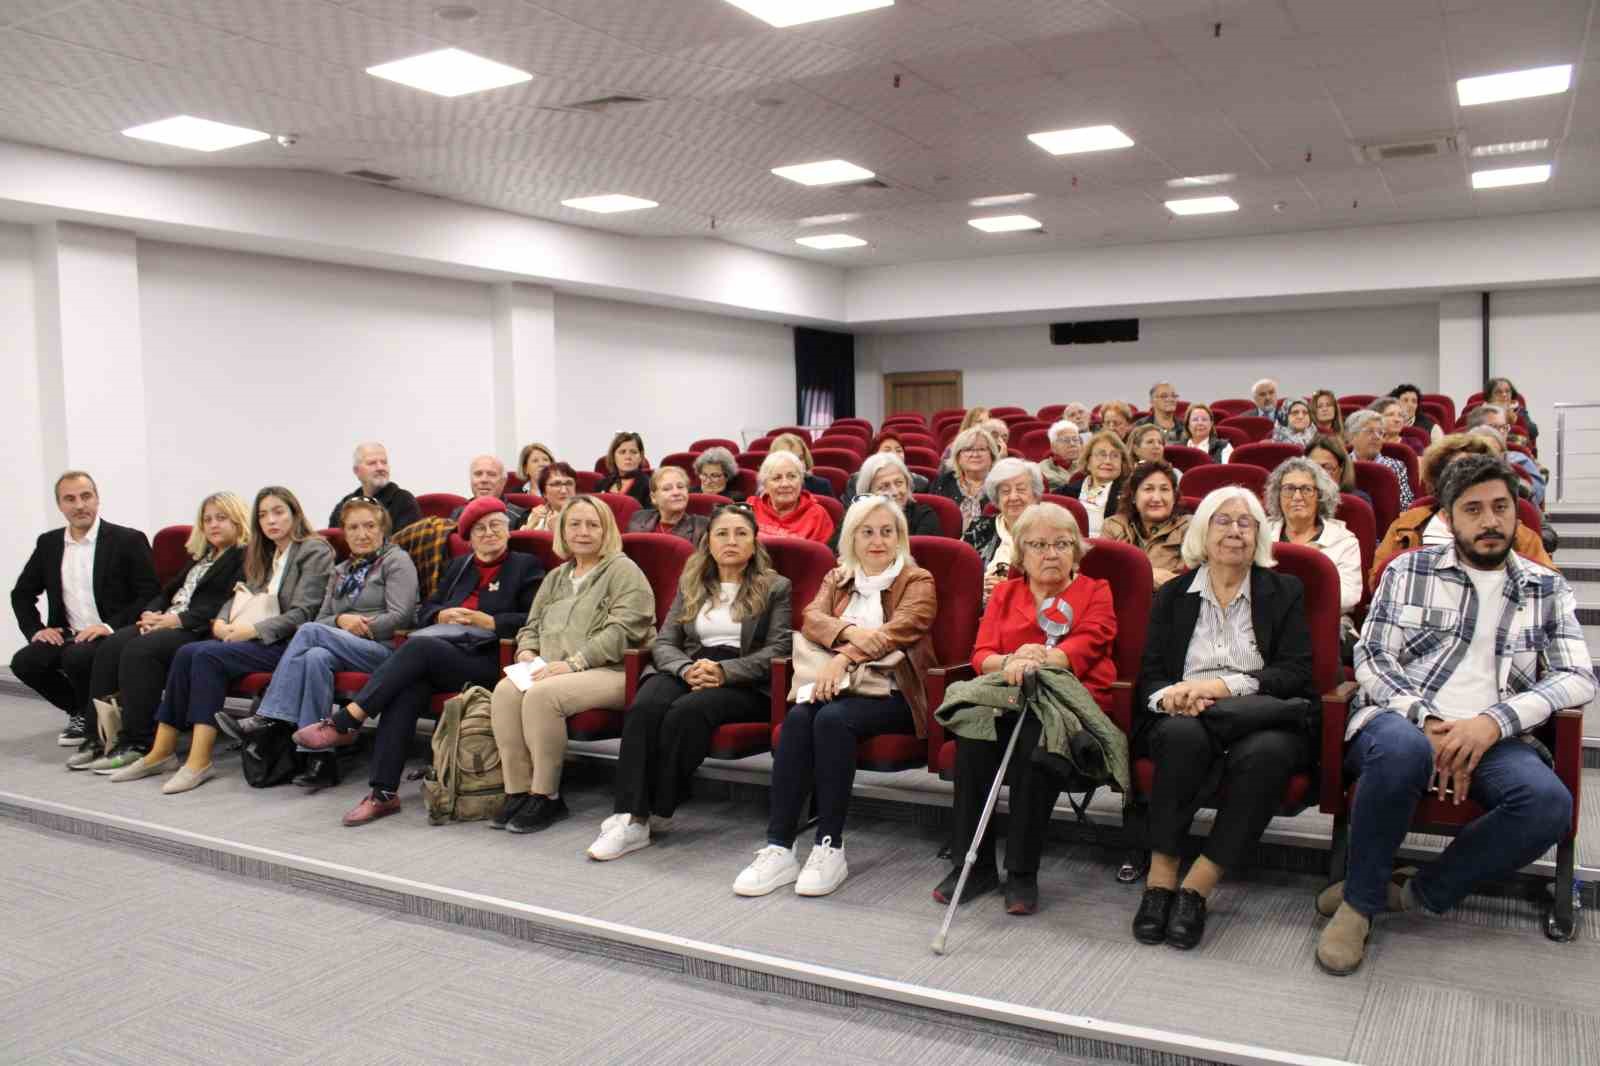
pixel 1202 205
pixel 450 72
pixel 1200 179
pixel 609 204
pixel 1499 179
pixel 1005 223
pixel 1514 85
pixel 1083 139
pixel 1511 147
pixel 781 13
pixel 996 201
pixel 197 134
pixel 824 172
pixel 829 241
pixel 829 220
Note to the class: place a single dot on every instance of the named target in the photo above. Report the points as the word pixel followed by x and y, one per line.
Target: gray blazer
pixel 388 599
pixel 761 639
pixel 305 582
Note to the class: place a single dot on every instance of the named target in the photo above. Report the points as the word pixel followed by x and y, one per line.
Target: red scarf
pixel 809 520
pixel 487 573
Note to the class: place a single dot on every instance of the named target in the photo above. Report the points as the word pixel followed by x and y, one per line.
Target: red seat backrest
pixel 1073 504
pixel 1202 479
pixel 714 442
pixel 1185 458
pixel 168 552
pixel 1052 412
pixel 1232 434
pixel 1321 580
pixel 1266 454
pixel 919 456
pixel 1421 436
pixel 840 424
pixel 945 508
pixel 958 581
pixel 706 502
pixel 661 556
pixel 750 460
pixel 1407 459
pixel 623 506
pixel 947 412
pixel 946 432
pixel 341 548
pixel 1446 404
pixel 1228 408
pixel 1035 444
pixel 1362 398
pixel 1002 412
pixel 835 476
pixel 682 460
pixel 1255 427
pixel 857 447
pixel 834 508
pixel 524 499
pixel 537 542
pixel 744 483
pixel 1442 416
pixel 588 480
pixel 1127 569
pixel 1359 518
pixel 805 563
pixel 763 444
pixel 439 504
pixel 800 431
pixel 1379 482
pixel 918 440
pixel 837 457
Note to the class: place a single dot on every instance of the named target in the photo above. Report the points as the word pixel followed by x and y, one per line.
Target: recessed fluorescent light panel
pixel 1511 147
pixel 824 172
pixel 1083 139
pixel 783 13
pixel 830 241
pixel 1005 223
pixel 828 220
pixel 450 72
pixel 609 204
pixel 198 134
pixel 1203 205
pixel 1498 179
pixel 996 201
pixel 1200 180
pixel 1514 85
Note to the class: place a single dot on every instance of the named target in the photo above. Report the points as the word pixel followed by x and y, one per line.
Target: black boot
pixel 321 771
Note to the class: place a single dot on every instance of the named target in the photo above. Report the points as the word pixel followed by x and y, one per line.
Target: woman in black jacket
pixel 712 664
pixel 132 663
pixel 481 597
pixel 1227 628
pixel 885 474
pixel 627 472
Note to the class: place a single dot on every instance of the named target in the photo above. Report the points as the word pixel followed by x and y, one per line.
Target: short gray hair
pixel 974 437
pixel 874 465
pixel 857 514
pixel 770 464
pixel 1327 491
pixel 720 456
pixel 1005 470
pixel 1265 381
pixel 1479 415
pixel 364 446
pixel 1357 421
pixel 1065 425
pixel 1194 540
pixel 1045 513
pixel 1382 404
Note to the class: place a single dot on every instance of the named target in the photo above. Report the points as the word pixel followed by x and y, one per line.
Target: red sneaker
pixel 370 809
pixel 322 735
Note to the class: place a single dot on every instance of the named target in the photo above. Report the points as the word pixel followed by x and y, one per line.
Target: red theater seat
pixel 706 502
pixel 1184 458
pixel 1073 504
pixel 945 508
pixel 1254 426
pixel 839 458
pixel 168 552
pixel 1202 479
pixel 1221 409
pixel 1034 445
pixel 1266 454
pixel 715 442
pixel 439 504
pixel 682 460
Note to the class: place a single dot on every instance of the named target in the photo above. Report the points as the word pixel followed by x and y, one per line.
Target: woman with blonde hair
pixel 669 513
pixel 530 461
pixel 132 663
pixel 1104 466
pixel 972 455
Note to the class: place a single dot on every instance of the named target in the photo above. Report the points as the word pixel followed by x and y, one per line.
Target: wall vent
pixel 1430 147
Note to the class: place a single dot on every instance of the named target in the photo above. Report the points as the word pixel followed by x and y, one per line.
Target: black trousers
pixel 665 736
pixel 1032 799
pixel 1253 771
pixel 59 673
pixel 400 690
pixel 135 666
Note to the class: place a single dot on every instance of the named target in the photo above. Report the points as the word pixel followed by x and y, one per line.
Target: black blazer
pixel 761 640
pixel 921 521
pixel 507 598
pixel 401 505
pixel 1076 485
pixel 124 579
pixel 211 595
pixel 640 490
pixel 1283 636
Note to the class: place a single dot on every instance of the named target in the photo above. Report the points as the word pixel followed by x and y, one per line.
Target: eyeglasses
pixel 1298 490
pixel 1062 546
pixel 1244 523
pixel 1103 453
pixel 491 528
pixel 559 483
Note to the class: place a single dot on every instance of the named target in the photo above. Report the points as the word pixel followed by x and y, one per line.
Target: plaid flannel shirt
pixel 1420 627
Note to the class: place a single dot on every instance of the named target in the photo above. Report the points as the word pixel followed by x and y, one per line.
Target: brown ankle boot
pixel 1343 943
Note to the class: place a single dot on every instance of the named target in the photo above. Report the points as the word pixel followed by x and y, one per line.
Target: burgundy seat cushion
pixel 737 740
pixel 349 682
pixel 595 724
pixel 250 685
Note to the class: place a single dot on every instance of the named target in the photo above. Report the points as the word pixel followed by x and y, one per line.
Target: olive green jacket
pixel 593 623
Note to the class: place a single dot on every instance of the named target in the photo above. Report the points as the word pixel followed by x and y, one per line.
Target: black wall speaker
pixel 1107 331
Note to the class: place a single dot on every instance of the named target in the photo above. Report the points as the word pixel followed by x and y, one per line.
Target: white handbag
pixel 251 608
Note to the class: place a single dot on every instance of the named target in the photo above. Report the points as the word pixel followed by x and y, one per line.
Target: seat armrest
pixel 1335 716
pixel 633 664
pixel 1568 752
pixel 1121 710
pixel 780 690
pixel 934 684
pixel 508 652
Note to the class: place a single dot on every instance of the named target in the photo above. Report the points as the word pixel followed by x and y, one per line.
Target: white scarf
pixel 866 595
pixel 1003 553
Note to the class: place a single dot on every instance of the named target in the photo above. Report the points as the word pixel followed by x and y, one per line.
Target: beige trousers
pixel 530 728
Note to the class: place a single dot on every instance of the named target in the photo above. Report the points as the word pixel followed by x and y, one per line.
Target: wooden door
pixel 921 393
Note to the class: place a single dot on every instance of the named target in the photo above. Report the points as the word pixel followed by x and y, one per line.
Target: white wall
pixel 1207 356
pixel 262 370
pixel 27 511
pixel 671 376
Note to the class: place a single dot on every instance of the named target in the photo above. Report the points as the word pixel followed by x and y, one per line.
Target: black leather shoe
pixel 244 730
pixel 1188 922
pixel 1150 924
pixel 982 880
pixel 508 810
pixel 1022 893
pixel 322 771
pixel 540 812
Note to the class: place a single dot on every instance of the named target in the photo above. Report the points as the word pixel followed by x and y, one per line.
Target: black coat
pixel 401 505
pixel 640 490
pixel 1076 486
pixel 1283 636
pixel 507 599
pixel 124 579
pixel 211 595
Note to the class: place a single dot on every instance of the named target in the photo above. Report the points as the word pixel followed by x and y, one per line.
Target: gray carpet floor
pixel 1480 986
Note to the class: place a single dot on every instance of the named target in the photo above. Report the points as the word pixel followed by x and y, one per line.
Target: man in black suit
pixel 95 577
pixel 371 468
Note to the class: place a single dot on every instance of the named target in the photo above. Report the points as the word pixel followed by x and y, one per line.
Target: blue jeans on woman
pixel 198 679
pixel 1528 811
pixel 817 753
pixel 301 692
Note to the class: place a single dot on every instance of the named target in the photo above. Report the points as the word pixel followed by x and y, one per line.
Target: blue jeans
pixel 301 692
pixel 1529 810
pixel 817 753
pixel 197 681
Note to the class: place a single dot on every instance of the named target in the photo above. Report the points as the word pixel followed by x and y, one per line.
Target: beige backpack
pixel 464 784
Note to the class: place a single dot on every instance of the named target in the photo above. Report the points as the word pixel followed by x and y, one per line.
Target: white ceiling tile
pixel 1515 37
pixel 659 27
pixel 16 12
pixel 24 55
pixel 122 29
pixel 981 66
pixel 773 56
pixel 1376 115
pixel 315 28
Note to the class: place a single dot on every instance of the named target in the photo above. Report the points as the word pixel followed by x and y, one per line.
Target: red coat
pixel 1012 620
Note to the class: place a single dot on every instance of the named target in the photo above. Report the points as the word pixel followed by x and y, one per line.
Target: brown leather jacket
pixel 908 609
pixel 1406 533
pixel 1163 545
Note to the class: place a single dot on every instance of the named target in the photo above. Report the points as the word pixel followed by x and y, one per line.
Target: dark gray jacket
pixel 300 593
pixel 761 639
pixel 388 599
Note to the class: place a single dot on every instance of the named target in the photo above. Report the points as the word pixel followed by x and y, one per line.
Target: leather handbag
pixel 867 679
pixel 251 608
pixel 1231 719
pixel 467 638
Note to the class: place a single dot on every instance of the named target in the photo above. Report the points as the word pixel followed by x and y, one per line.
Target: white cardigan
pixel 1342 549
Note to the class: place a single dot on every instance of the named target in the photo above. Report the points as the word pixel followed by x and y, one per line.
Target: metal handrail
pixel 1561 445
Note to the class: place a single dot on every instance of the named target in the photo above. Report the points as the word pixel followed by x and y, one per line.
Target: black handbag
pixel 1234 717
pixel 270 759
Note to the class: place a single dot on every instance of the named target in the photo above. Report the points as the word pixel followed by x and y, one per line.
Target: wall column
pixel 525 379
pixel 1460 345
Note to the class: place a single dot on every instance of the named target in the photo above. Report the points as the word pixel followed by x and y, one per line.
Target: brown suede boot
pixel 1343 943
pixel 1329 899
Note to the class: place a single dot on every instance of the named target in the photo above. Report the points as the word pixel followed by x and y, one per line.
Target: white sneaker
pixel 773 868
pixel 825 870
pixel 619 837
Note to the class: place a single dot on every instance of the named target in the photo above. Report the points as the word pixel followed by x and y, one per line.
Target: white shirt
pixel 77 579
pixel 1223 644
pixel 1474 687
pixel 715 624
pixel 1436 533
pixel 275 582
pixel 1093 498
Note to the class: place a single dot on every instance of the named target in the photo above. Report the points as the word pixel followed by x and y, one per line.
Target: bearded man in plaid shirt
pixel 1467 648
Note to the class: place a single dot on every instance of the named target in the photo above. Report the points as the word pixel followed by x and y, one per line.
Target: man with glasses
pixel 1364 430
pixel 370 464
pixel 1164 412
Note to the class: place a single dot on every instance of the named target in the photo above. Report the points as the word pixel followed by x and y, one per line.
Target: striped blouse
pixel 1224 642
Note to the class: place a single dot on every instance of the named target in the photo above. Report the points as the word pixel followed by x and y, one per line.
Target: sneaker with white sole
pixel 774 867
pixel 74 734
pixel 619 837
pixel 144 767
pixel 86 756
pixel 115 760
pixel 825 870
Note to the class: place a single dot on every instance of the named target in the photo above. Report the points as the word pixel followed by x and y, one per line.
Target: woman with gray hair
pixel 1013 485
pixel 1301 501
pixel 883 474
pixel 783 508
pixel 1228 628
pixel 716 471
pixel 972 455
pixel 1364 432
pixel 1066 449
